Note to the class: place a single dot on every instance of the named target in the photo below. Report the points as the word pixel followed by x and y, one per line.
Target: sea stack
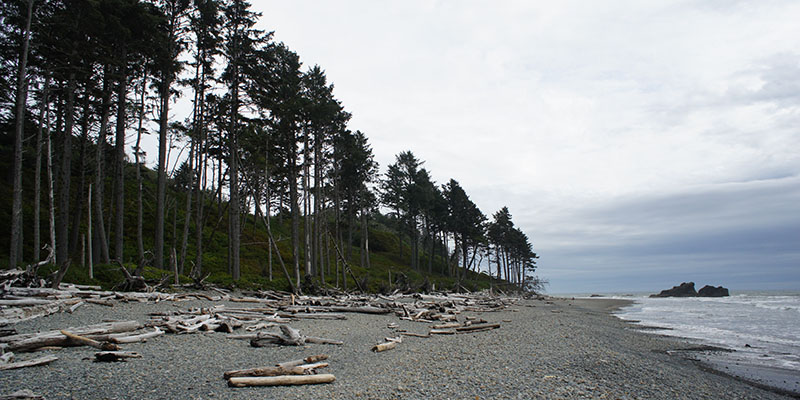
pixel 711 291
pixel 685 289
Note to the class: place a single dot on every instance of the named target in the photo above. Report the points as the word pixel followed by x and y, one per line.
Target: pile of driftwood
pixel 105 337
pixel 262 318
pixel 297 372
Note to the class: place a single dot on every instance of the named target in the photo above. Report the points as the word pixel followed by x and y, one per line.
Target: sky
pixel 639 144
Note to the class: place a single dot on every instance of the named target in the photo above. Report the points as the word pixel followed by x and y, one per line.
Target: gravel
pixel 566 349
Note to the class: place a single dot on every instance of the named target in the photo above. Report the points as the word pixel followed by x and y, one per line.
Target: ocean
pixel 762 329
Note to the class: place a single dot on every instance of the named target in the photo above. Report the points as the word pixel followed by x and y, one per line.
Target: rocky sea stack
pixel 686 289
pixel 711 291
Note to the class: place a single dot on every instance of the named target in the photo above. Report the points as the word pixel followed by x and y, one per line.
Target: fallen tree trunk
pixel 307 360
pixel 30 363
pixel 125 338
pixel 24 394
pixel 446 326
pixel 276 370
pixel 80 340
pixel 27 342
pixel 281 380
pixel 18 314
pixel 289 337
pixel 477 328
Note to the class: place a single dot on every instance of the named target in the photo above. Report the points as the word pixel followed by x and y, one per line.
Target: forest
pixel 257 178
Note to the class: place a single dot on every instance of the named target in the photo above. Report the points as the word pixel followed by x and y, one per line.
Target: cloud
pixel 742 233
pixel 633 141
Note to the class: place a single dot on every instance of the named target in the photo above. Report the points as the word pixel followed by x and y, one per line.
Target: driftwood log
pixel 125 338
pixel 384 346
pixel 110 356
pixel 24 394
pixel 28 342
pixel 80 340
pixel 288 336
pixel 477 328
pixel 29 363
pixel 276 370
pixel 280 380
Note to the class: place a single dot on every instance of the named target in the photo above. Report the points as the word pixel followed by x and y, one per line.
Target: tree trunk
pixel 136 153
pixel 317 238
pixel 295 213
pixel 50 189
pixel 99 180
pixel 267 208
pixel 119 147
pixel 15 255
pixel 307 203
pixel 43 111
pixel 188 208
pixel 161 191
pixel 234 208
pixel 62 230
pixel 76 217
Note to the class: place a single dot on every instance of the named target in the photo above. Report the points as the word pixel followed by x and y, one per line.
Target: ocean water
pixel 762 327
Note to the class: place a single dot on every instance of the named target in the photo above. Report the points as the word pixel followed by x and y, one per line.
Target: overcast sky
pixel 639 144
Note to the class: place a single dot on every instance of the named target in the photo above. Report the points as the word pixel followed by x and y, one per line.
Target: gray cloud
pixel 637 143
pixel 741 234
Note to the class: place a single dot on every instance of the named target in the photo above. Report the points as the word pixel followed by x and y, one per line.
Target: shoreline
pixel 551 348
pixel 719 361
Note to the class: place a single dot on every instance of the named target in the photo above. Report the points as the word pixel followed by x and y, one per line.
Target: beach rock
pixel 711 291
pixel 685 289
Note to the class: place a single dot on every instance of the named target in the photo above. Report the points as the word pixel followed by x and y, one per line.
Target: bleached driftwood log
pixel 290 337
pixel 477 328
pixel 100 302
pixel 276 370
pixel 27 342
pixel 80 340
pixel 29 363
pixel 281 380
pixel 18 314
pixel 308 360
pixel 446 326
pixel 24 394
pixel 125 338
pixel 422 335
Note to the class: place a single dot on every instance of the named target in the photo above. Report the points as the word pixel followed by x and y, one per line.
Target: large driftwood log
pixel 27 342
pixel 477 328
pixel 276 370
pixel 289 337
pixel 80 340
pixel 24 394
pixel 422 335
pixel 24 302
pixel 281 380
pixel 362 309
pixel 29 363
pixel 446 326
pixel 125 338
pixel 308 360
pixel 18 314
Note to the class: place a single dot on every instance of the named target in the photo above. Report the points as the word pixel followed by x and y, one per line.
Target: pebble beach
pixel 554 348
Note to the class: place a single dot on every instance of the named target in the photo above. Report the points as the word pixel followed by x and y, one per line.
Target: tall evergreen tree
pixel 168 66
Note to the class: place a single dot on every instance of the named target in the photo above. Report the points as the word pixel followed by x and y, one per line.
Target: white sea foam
pixel 763 329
